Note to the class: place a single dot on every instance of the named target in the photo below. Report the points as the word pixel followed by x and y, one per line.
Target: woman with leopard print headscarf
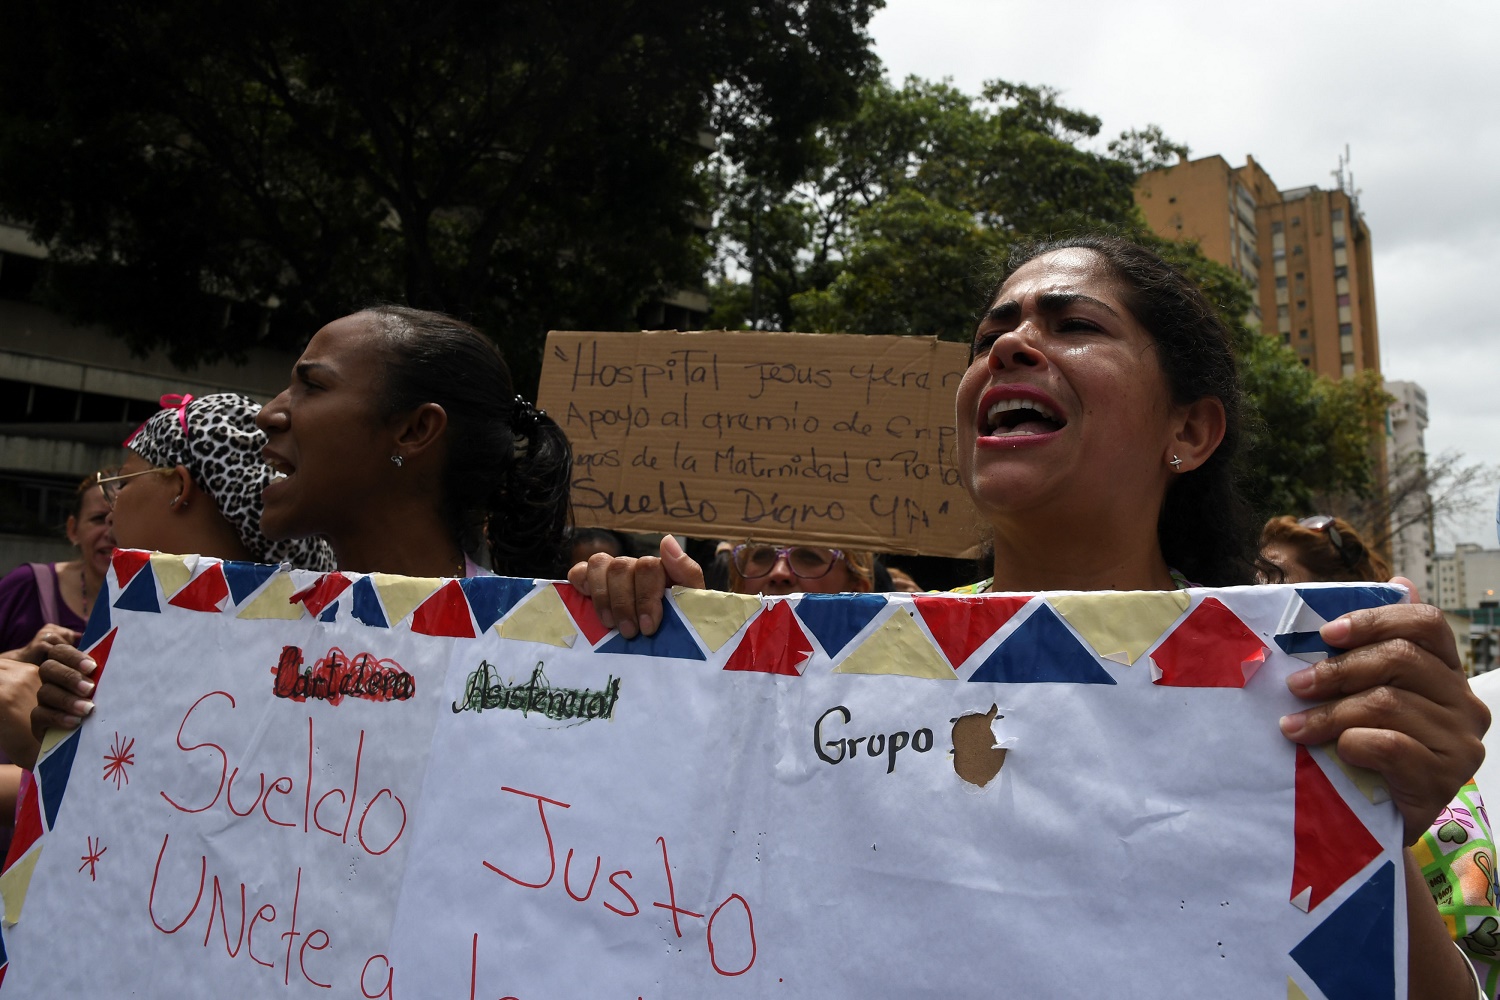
pixel 192 482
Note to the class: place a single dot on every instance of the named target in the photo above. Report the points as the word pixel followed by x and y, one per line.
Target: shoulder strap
pixel 46 591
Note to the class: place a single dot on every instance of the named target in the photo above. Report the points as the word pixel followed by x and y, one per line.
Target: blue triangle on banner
pixel 1352 954
pixel 367 605
pixel 98 625
pixel 140 593
pixel 671 640
pixel 1040 651
pixel 492 597
pixel 330 613
pixel 52 775
pixel 245 578
pixel 834 619
pixel 1304 642
pixel 1330 602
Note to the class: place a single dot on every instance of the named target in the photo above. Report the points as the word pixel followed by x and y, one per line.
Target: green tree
pixel 209 174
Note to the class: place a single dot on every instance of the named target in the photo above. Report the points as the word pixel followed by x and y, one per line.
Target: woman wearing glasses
pixel 191 483
pixel 1316 548
pixel 1097 426
pixel 763 568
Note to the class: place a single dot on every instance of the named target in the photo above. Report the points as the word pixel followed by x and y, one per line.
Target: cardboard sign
pixel 373 786
pixel 791 437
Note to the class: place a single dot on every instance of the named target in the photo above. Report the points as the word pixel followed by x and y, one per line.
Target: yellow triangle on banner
pixel 543 618
pixel 401 594
pixel 275 601
pixel 172 572
pixel 15 882
pixel 715 616
pixel 1293 991
pixel 1369 783
pixel 898 647
pixel 1121 627
pixel 52 739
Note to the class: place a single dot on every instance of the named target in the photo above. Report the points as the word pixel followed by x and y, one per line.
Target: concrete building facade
pixel 1304 251
pixel 1412 543
pixel 1467 577
pixel 69 395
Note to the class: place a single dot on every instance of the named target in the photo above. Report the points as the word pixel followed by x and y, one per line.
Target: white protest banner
pixel 830 439
pixel 374 786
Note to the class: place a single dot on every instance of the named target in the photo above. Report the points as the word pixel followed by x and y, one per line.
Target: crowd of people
pixel 1098 429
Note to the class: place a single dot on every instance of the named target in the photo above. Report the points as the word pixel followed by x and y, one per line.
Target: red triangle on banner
pixel 1332 845
pixel 1210 648
pixel 963 624
pixel 28 822
pixel 444 613
pixel 581 607
pixel 99 653
pixel 128 563
pixel 204 593
pixel 324 591
pixel 773 643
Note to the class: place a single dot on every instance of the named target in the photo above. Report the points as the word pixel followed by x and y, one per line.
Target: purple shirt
pixel 21 608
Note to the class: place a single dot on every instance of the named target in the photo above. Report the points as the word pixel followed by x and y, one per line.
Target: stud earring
pixel 1176 464
pixel 398 460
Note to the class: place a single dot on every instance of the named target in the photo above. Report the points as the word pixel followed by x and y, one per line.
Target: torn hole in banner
pixel 977 755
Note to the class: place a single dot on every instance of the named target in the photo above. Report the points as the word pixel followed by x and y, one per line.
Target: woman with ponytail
pixel 402 441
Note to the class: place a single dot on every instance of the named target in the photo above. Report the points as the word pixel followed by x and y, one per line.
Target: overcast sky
pixel 1413 89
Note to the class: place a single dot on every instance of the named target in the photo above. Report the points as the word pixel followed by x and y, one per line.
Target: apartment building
pixel 1305 252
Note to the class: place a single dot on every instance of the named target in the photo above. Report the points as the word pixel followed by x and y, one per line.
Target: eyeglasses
pixel 110 486
pixel 1324 523
pixel 809 563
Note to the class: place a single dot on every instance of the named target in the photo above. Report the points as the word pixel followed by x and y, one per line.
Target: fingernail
pixel 606 619
pixel 1336 632
pixel 645 623
pixel 85 688
pixel 669 547
pixel 83 708
pixel 1291 725
pixel 87 665
pixel 1302 681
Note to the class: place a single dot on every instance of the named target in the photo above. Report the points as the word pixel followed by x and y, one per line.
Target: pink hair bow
pixel 171 401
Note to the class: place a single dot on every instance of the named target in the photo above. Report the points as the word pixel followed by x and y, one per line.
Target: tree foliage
pixel 908 207
pixel 209 173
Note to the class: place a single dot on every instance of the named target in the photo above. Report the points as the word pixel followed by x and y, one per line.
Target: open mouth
pixel 281 470
pixel 1019 417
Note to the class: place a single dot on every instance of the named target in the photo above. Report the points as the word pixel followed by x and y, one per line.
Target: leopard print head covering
pixel 215 438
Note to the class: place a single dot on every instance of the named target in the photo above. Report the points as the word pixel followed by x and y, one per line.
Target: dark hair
pixel 509 466
pixel 1204 529
pixel 1315 551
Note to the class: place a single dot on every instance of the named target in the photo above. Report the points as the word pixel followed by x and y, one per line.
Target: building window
pixel 1275 228
pixel 1286 338
pixel 1338 244
pixel 1341 271
pixel 1172 201
pixel 1296 220
pixel 1343 300
pixel 1346 328
pixel 1281 282
pixel 1307 362
pixel 1297 250
pixel 1281 312
pixel 1338 214
pixel 1279 253
pixel 1302 334
pixel 1301 303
